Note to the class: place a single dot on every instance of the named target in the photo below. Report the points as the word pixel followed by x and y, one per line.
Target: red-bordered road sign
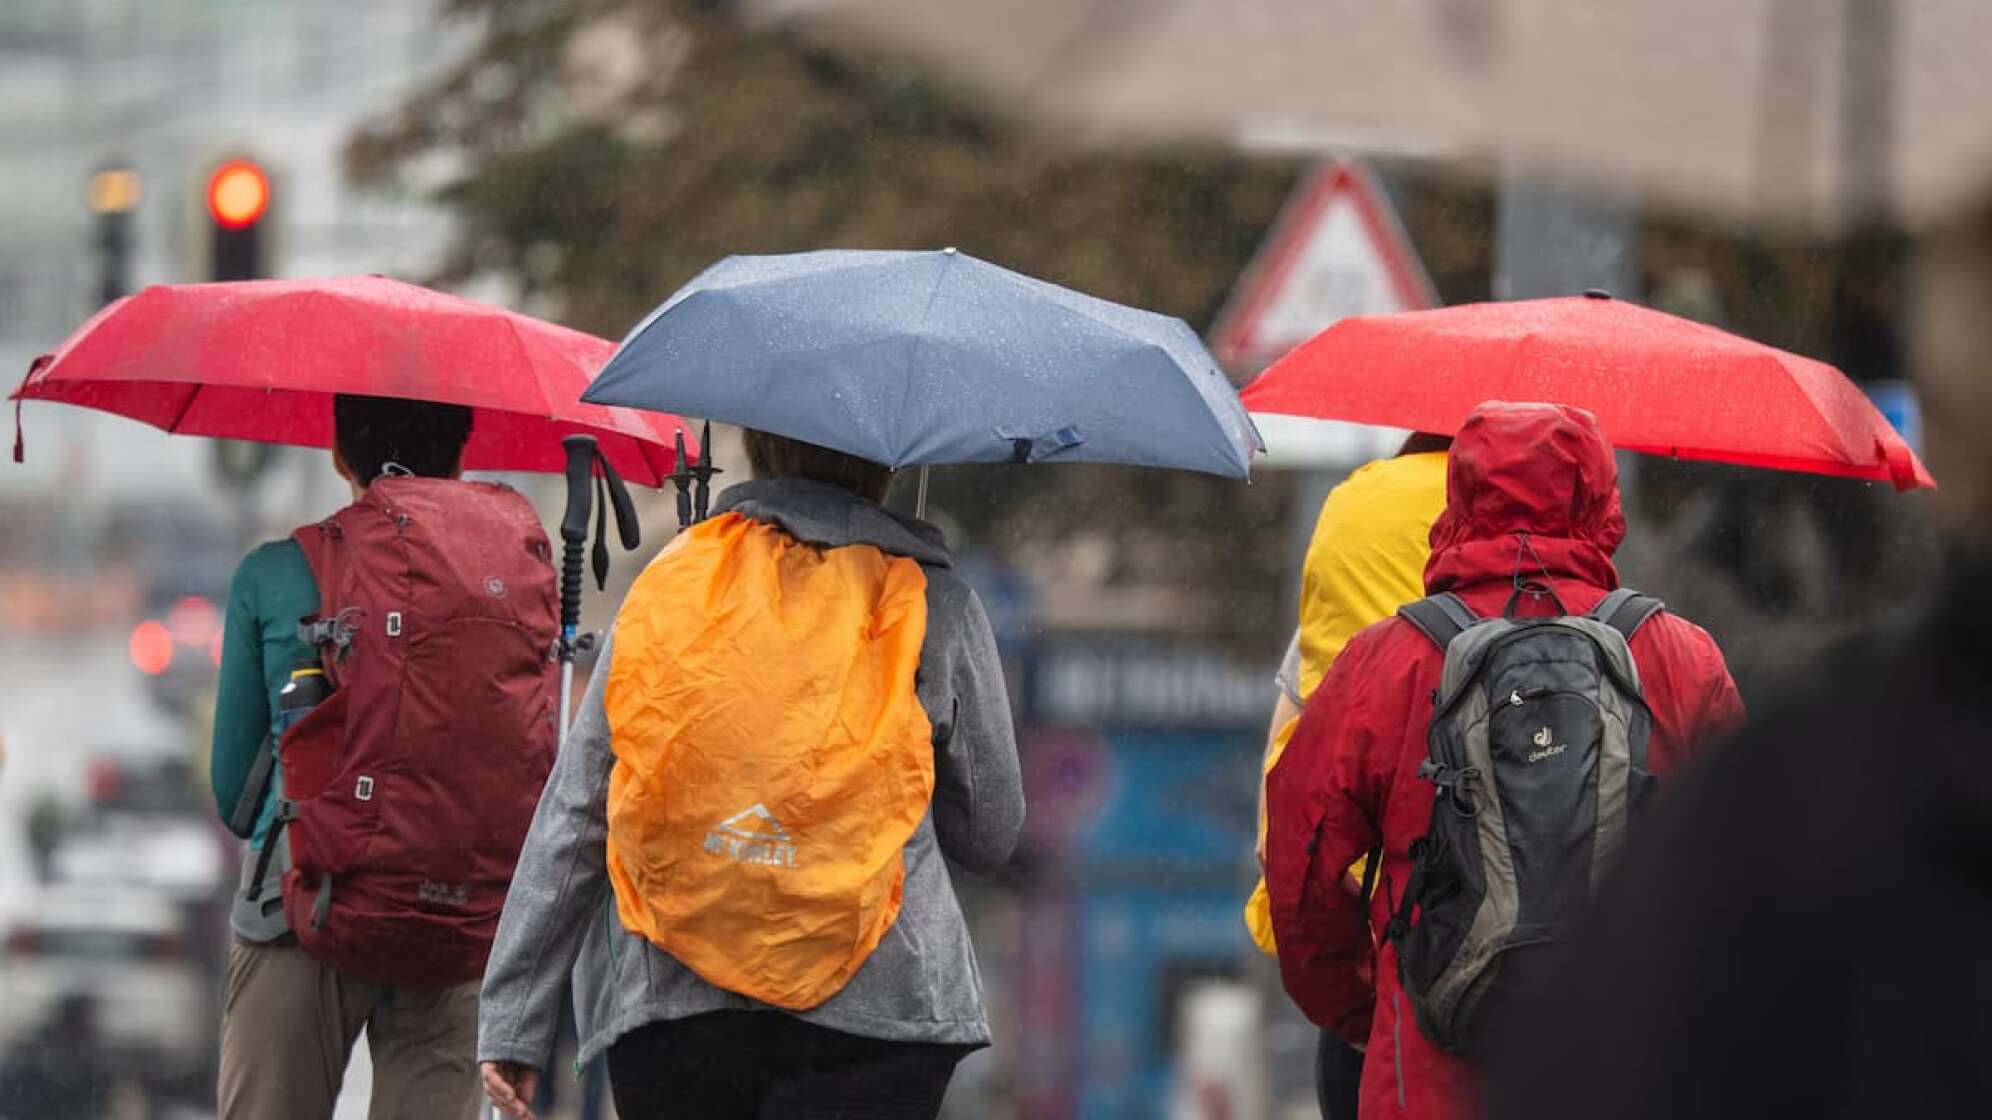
pixel 1336 250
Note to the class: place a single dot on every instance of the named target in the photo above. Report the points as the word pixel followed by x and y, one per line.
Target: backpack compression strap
pixel 1441 617
pixel 1626 610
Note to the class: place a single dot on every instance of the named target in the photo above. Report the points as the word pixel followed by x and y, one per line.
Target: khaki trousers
pixel 288 1024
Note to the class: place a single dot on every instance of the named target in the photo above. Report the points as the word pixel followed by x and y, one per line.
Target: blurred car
pixel 124 949
pixel 186 552
pixel 178 857
pixel 179 651
pixel 146 825
pixel 145 780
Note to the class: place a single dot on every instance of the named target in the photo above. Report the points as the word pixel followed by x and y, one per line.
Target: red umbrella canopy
pixel 1659 384
pixel 262 359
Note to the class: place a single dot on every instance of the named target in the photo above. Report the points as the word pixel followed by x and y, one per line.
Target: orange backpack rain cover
pixel 771 756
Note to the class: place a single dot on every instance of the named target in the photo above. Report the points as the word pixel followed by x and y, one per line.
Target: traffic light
pixel 238 205
pixel 113 194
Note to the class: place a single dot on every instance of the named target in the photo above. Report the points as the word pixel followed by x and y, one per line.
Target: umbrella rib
pixel 1079 308
pixel 185 407
pixel 526 352
pixel 912 352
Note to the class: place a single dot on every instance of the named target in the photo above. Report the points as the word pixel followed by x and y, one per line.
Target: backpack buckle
pixel 1460 793
pixel 337 631
pixel 1455 786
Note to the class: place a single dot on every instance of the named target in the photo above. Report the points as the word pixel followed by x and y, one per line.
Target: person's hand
pixel 511 1086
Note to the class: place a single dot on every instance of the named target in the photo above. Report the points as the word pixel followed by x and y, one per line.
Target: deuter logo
pixel 1543 738
pixel 752 835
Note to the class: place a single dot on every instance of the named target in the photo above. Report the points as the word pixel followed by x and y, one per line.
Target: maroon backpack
pixel 410 788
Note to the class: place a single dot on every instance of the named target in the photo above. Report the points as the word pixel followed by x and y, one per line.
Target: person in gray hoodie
pixel 889 1040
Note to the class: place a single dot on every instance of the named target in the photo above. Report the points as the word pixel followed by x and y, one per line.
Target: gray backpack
pixel 1538 761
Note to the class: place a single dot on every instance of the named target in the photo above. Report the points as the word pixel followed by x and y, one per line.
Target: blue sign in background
pixel 1898 404
pixel 1163 868
pixel 1187 801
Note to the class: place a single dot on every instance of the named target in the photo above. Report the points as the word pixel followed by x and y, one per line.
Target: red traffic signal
pixel 238 194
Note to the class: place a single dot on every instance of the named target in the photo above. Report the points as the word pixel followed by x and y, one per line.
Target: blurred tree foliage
pixel 599 153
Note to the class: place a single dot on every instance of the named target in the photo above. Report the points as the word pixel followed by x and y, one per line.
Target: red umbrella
pixel 1658 384
pixel 261 360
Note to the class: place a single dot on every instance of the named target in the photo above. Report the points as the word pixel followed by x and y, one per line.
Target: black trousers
pixel 764 1065
pixel 1338 1077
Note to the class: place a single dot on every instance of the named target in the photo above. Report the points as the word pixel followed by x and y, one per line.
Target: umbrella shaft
pixel 920 503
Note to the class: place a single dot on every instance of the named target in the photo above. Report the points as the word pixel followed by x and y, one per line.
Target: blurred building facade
pixel 108 521
pixel 169 88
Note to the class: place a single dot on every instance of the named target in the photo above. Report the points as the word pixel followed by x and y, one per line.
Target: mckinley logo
pixel 454 895
pixel 1546 745
pixel 752 835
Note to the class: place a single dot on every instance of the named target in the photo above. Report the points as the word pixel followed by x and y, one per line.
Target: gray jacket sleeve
pixel 978 790
pixel 558 888
pixel 1287 679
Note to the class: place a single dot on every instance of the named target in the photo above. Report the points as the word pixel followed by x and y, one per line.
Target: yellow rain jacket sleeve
pixel 1366 559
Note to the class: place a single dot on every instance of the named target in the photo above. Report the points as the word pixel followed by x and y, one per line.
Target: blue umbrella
pixel 928 358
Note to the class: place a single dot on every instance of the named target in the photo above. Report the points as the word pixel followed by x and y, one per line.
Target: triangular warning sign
pixel 1337 250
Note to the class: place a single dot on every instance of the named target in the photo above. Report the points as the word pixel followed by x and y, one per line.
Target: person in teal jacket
pixel 289 1022
pixel 271 590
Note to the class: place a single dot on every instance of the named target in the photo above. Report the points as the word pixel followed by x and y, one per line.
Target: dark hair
pixel 774 456
pixel 424 437
pixel 1422 443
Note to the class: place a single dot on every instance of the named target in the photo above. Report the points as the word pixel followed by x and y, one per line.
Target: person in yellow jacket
pixel 1366 559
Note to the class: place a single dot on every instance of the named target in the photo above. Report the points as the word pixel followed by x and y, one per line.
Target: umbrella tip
pixel 1596 293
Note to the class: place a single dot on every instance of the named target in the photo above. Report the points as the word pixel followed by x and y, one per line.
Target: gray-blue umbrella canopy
pixel 931 358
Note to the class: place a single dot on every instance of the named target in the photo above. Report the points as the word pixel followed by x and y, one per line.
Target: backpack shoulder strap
pixel 322 543
pixel 319 543
pixel 1626 610
pixel 249 803
pixel 1441 617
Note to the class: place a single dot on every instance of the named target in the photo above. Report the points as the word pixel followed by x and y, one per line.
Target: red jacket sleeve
pixel 1688 687
pixel 1322 803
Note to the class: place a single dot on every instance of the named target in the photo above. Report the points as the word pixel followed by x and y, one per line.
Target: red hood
pixel 1544 470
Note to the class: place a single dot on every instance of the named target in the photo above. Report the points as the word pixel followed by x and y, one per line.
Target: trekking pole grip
pixel 574 535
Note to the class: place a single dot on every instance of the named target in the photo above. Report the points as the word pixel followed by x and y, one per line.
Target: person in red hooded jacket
pixel 1531 491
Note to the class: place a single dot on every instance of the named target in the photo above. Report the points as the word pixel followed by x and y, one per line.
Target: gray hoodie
pixel 921 984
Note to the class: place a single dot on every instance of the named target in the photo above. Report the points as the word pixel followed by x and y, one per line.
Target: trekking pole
pixel 681 476
pixel 573 545
pixel 703 473
pixel 587 470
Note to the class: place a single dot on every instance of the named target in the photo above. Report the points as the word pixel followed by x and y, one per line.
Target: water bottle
pixel 261 908
pixel 304 691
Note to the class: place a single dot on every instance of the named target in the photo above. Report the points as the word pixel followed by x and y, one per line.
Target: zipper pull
pixel 1517 698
